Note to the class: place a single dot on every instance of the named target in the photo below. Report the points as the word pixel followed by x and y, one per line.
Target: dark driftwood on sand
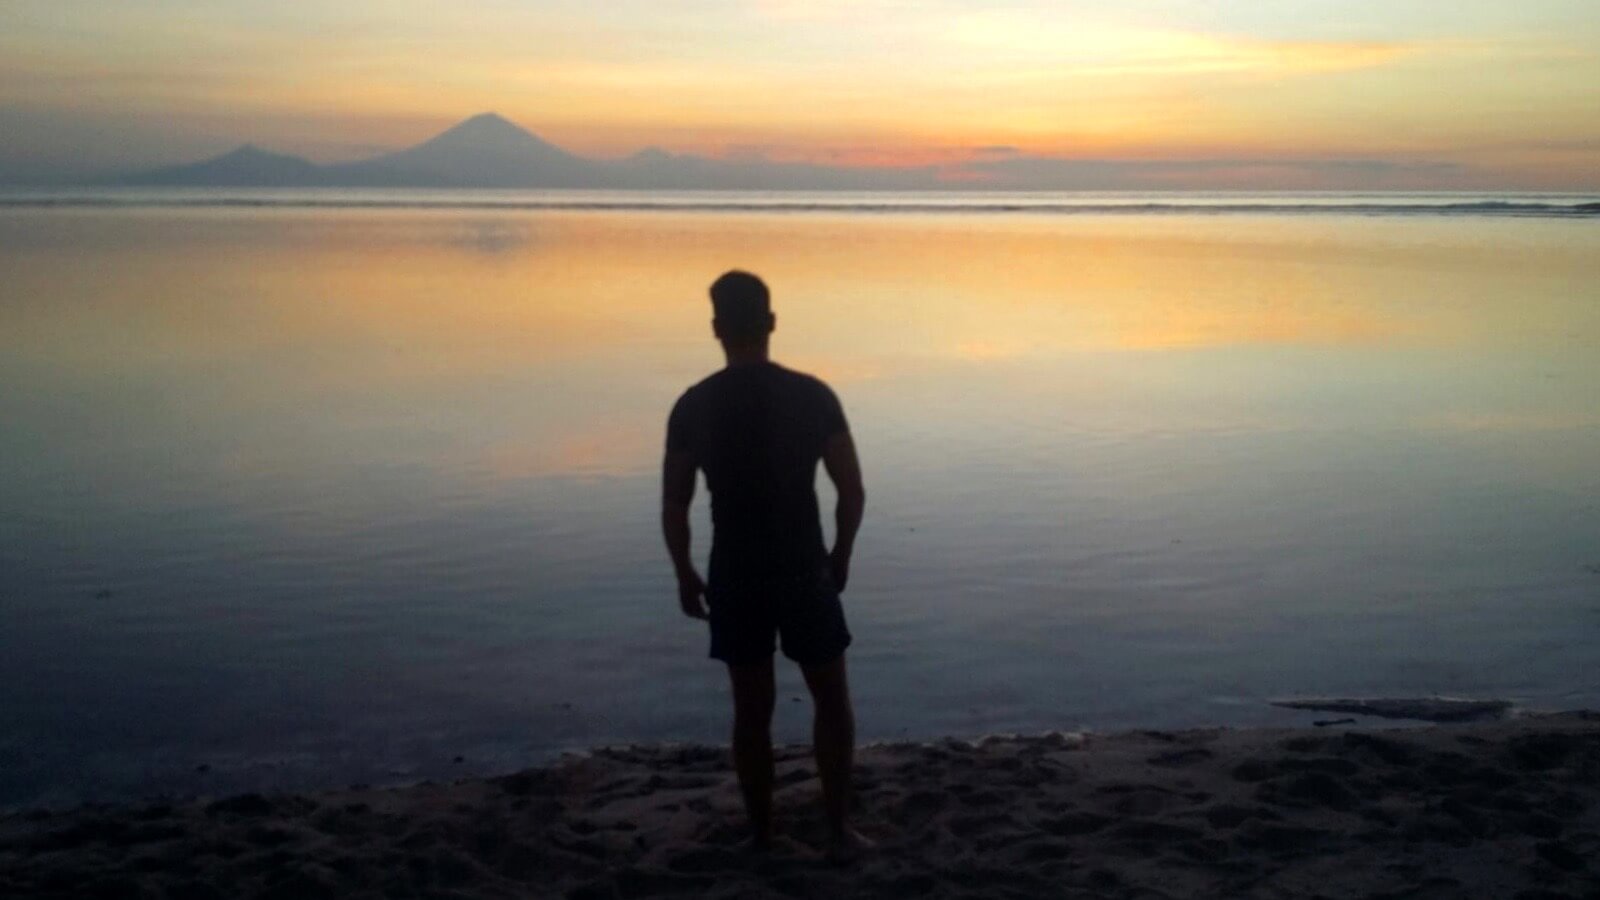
pixel 1425 709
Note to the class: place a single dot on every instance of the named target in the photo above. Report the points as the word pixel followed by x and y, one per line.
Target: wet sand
pixel 1507 809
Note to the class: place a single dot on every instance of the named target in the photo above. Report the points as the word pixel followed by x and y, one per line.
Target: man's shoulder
pixel 804 380
pixel 688 415
pixel 793 385
pixel 698 389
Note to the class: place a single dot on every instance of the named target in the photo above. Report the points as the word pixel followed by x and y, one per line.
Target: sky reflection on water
pixel 319 495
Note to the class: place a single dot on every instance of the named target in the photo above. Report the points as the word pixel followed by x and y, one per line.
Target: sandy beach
pixel 1502 809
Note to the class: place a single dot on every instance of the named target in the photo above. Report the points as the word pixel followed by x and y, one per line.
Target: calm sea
pixel 304 489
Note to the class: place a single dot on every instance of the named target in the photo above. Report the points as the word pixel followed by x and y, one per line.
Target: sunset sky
pixel 1411 93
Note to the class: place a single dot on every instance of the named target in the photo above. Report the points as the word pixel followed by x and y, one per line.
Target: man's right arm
pixel 839 459
pixel 677 492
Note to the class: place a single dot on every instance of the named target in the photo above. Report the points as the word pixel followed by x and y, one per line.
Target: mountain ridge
pixel 488 150
pixel 244 166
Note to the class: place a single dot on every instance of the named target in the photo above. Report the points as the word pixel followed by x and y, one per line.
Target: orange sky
pixel 1504 92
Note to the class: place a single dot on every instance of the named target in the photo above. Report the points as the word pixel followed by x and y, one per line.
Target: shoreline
pixel 1495 809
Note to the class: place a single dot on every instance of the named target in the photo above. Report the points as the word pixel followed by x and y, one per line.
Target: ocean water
pixel 312 488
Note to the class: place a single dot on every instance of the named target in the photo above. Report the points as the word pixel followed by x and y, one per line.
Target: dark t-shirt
pixel 757 431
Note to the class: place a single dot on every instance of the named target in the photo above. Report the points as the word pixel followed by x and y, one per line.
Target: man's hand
pixel 839 459
pixel 839 569
pixel 691 590
pixel 677 492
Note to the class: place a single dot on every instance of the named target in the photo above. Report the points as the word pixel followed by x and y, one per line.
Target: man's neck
pixel 745 354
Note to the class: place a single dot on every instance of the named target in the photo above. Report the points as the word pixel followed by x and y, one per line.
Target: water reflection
pixel 311 453
pixel 532 345
pixel 359 297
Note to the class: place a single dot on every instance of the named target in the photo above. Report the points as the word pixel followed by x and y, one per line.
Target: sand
pixel 1505 809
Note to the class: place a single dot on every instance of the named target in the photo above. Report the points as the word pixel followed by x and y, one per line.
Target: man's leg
pixel 752 742
pixel 834 740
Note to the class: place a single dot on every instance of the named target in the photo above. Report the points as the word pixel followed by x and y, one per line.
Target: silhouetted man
pixel 757 430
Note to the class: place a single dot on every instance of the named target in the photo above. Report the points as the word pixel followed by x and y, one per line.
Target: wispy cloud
pixel 1029 42
pixel 1035 172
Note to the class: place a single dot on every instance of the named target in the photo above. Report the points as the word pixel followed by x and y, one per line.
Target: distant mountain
pixel 248 166
pixel 656 168
pixel 488 151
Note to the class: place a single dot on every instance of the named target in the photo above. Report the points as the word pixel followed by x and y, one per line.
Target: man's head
pixel 742 309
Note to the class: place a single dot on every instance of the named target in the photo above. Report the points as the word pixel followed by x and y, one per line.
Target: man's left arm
pixel 839 459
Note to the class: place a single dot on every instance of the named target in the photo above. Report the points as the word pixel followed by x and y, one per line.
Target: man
pixel 757 430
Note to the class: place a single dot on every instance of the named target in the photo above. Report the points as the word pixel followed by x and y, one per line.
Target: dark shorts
pixel 749 615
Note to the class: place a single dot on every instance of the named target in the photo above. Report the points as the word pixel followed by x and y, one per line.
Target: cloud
pixel 754 153
pixel 1261 173
pixel 1551 145
pixel 1069 45
pixel 837 11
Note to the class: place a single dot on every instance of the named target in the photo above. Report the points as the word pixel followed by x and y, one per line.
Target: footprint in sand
pixel 1075 823
pixel 1230 816
pixel 1180 758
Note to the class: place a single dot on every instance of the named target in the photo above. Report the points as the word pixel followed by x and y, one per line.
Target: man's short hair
pixel 741 305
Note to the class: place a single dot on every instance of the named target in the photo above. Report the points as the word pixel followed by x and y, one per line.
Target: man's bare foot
pixel 779 846
pixel 849 844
